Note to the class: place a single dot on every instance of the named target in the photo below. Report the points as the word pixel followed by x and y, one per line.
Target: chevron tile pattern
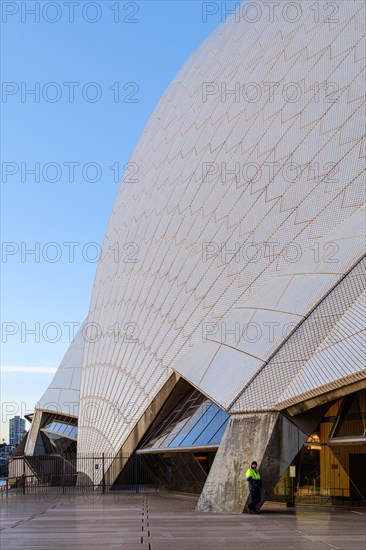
pixel 253 156
pixel 62 395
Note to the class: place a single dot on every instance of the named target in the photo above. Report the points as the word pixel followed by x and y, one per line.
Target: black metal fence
pixel 79 473
pixel 98 474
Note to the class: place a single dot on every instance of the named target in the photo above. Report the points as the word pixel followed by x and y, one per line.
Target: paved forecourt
pixel 168 522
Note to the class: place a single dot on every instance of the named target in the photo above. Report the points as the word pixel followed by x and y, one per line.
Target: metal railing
pixel 136 474
pixel 78 474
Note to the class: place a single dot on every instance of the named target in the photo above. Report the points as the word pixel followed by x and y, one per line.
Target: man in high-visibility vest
pixel 255 484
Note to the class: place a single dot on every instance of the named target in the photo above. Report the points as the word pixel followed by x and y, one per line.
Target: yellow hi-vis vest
pixel 254 474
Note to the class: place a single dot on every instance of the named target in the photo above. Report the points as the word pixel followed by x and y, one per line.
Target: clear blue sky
pixel 50 128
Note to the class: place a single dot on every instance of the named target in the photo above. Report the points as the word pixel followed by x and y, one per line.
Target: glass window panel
pixel 161 431
pixel 198 412
pixel 194 421
pixel 68 430
pixel 216 439
pixel 51 426
pixel 74 432
pixel 174 423
pixel 63 428
pixel 210 430
pixel 160 436
pixel 176 430
pixel 183 427
pixel 157 443
pixel 199 426
pixel 57 427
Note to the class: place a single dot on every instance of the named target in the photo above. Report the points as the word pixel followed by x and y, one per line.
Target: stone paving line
pixel 168 522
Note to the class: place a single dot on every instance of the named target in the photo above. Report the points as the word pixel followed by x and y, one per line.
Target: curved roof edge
pixel 235 349
pixel 62 395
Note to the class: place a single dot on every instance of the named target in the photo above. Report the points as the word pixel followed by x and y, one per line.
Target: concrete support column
pixel 34 443
pixel 270 439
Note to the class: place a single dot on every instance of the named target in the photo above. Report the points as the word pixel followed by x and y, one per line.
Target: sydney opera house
pixel 227 316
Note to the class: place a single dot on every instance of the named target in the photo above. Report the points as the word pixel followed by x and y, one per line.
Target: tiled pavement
pixel 168 522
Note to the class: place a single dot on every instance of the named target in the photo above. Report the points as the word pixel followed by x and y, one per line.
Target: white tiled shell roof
pixel 304 365
pixel 172 210
pixel 263 324
pixel 339 358
pixel 62 395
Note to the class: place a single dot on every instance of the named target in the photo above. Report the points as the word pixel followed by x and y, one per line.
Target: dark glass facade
pixel 194 422
pixel 179 448
pixel 59 433
pixel 330 468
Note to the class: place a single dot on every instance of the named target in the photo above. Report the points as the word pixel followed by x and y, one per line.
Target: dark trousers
pixel 254 499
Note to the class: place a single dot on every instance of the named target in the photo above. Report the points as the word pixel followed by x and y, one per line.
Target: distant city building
pixel 16 430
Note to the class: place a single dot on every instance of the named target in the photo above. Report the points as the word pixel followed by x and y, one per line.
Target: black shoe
pixel 250 510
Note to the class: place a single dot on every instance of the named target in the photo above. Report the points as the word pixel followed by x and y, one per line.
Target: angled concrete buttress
pixel 270 438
